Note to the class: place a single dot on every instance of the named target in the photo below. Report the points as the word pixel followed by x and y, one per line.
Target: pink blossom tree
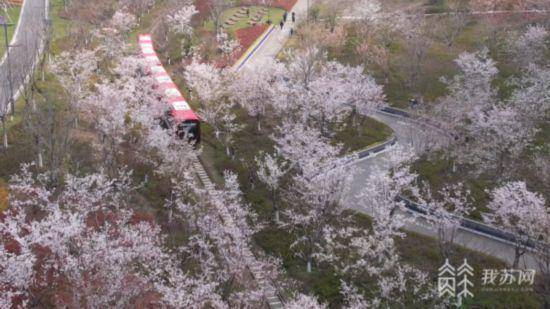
pixel 520 212
pixel 84 247
pixel 316 186
pixel 253 89
pixel 180 21
pixel 270 171
pixel 210 86
pixel 324 93
pixel 489 133
pixel 123 21
pixel 530 46
pixel 445 213
pixel 304 301
pixel 359 252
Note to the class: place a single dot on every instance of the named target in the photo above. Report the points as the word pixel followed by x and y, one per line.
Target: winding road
pixel 409 133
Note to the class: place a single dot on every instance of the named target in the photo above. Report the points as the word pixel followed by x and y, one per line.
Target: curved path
pixel 412 135
pixel 26 44
pixel 409 133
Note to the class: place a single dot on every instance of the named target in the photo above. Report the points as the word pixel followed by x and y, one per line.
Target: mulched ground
pixel 247 36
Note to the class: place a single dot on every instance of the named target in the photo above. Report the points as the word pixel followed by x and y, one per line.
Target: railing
pixel 476 226
pixel 418 119
pixel 17 66
pixel 465 223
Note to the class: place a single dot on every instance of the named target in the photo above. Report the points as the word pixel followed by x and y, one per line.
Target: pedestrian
pixel 291 31
pixel 293 17
pixel 247 12
pixel 281 24
pixel 285 15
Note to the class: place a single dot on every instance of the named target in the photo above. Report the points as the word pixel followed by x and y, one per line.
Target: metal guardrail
pixel 476 226
pixel 421 120
pixel 376 148
pixel 469 224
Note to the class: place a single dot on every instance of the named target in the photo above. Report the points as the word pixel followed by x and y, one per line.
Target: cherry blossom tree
pixel 489 133
pixel 520 212
pixel 253 89
pixel 304 148
pixel 123 21
pixel 531 96
pixel 316 203
pixel 358 252
pixel 322 93
pixel 216 8
pixel 180 21
pixel 226 44
pixel 210 86
pixel 316 187
pixel 48 122
pixel 452 25
pixel 74 71
pixel 304 301
pixel 137 7
pixel 530 46
pixel 86 248
pixel 445 213
pixel 494 132
pixel 270 172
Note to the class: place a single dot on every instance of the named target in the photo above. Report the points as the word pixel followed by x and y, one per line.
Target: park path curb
pixel 252 49
pixel 39 51
pixel 15 32
pixel 482 230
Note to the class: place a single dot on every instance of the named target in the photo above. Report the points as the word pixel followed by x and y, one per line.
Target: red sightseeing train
pixel 178 114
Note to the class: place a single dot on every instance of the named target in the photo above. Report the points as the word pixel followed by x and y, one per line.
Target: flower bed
pixel 284 4
pixel 247 37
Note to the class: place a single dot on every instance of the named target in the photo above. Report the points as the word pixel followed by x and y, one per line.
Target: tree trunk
pixel 517 256
pixel 5 130
pixel 40 159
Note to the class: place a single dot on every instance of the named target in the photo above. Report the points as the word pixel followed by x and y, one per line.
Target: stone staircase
pixel 270 292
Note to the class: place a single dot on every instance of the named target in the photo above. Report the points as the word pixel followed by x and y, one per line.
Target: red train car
pixel 179 114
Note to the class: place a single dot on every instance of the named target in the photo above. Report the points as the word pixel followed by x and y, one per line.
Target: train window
pixel 188 130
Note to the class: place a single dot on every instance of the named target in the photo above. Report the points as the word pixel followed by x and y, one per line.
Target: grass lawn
pixel 368 133
pixel 415 249
pixel 11 16
pixel 21 147
pixel 275 14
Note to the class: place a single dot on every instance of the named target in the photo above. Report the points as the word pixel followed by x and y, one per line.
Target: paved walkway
pixel 277 39
pixel 411 135
pixel 26 44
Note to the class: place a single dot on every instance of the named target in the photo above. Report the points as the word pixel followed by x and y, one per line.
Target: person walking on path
pixel 293 17
pixel 291 31
pixel 285 15
pixel 281 24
